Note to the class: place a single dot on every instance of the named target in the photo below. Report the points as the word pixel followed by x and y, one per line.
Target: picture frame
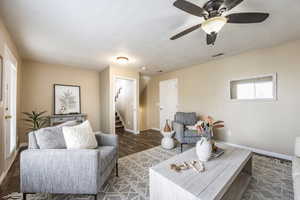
pixel 67 99
pixel 1 79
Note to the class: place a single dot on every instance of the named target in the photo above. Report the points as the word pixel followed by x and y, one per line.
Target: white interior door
pixel 10 103
pixel 168 95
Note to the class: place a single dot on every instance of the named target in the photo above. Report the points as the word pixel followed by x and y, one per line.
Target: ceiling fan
pixel 212 12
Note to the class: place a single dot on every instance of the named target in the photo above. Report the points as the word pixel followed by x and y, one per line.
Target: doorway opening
pixel 125 105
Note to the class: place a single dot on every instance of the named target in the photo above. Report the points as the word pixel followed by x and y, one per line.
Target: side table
pixel 168 142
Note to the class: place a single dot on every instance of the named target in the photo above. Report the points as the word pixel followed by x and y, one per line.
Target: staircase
pixel 118 124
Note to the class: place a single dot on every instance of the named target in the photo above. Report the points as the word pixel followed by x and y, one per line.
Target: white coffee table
pixel 167 142
pixel 225 177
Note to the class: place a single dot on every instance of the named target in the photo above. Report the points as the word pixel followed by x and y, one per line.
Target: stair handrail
pixel 118 93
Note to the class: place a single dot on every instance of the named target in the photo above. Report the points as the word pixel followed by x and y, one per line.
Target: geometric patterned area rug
pixel 271 179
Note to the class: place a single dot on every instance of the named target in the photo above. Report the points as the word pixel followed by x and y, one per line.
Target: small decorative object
pixel 1 79
pixel 35 120
pixel 206 129
pixel 204 149
pixel 195 165
pixel 167 127
pixel 66 99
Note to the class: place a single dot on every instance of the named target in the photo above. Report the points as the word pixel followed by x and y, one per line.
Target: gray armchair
pixel 182 134
pixel 62 171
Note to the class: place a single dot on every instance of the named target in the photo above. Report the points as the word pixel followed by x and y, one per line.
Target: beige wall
pixel 5 40
pixel 204 88
pixel 107 77
pixel 105 100
pixel 144 80
pixel 38 81
pixel 126 72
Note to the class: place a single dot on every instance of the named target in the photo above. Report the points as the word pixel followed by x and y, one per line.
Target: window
pixel 261 87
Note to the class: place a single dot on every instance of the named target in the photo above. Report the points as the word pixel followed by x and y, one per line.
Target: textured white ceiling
pixel 91 33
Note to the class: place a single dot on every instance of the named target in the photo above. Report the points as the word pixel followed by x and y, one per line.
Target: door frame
pixel 9 61
pixel 173 79
pixel 135 110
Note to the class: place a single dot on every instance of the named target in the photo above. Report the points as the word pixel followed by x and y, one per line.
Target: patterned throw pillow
pixel 80 136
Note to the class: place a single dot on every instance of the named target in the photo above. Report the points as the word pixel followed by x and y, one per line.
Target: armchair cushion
pixel 190 133
pixel 178 128
pixel 186 118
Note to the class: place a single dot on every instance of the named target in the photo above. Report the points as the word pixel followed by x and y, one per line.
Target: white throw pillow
pixel 80 136
pixel 297 147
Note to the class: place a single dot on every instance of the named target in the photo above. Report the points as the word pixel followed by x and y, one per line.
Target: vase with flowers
pixel 206 145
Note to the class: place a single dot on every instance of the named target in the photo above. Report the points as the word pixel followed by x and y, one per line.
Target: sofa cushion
pixel 50 138
pixel 107 154
pixel 80 136
pixel 186 118
pixel 191 133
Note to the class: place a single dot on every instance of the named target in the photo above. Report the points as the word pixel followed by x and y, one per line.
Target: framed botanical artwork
pixel 1 79
pixel 66 99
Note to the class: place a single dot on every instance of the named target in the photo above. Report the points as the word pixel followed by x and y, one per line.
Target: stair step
pixel 119 126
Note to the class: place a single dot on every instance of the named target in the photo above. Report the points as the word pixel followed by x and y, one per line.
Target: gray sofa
pixel 182 134
pixel 62 171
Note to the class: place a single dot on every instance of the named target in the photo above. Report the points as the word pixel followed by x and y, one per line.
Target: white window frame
pixel 274 80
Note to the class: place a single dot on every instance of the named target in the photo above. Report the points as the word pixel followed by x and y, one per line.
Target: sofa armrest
pixel 60 171
pixel 107 139
pixel 179 130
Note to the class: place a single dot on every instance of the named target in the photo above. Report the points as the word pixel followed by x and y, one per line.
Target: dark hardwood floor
pixel 129 143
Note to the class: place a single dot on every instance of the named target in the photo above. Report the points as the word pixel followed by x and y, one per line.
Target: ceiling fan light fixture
pixel 214 25
pixel 122 60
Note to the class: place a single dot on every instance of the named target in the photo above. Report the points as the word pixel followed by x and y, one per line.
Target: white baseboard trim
pixel 156 129
pixel 131 131
pixel 14 156
pixel 263 152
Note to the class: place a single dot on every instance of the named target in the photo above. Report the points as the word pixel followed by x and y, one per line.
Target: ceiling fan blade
pixel 241 18
pixel 185 32
pixel 229 4
pixel 190 8
pixel 210 39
